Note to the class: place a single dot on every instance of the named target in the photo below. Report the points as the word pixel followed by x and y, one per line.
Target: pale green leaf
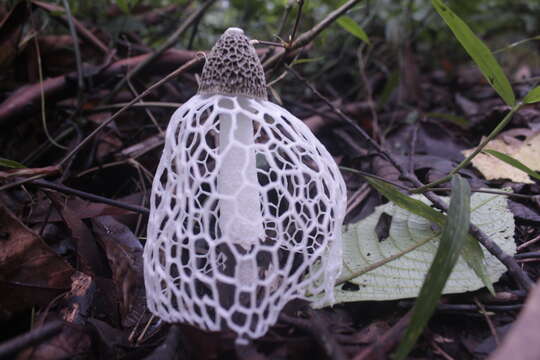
pixel 472 253
pixel 403 276
pixel 352 27
pixel 532 96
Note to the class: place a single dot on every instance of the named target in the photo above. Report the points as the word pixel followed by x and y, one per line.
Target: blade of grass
pixel 513 162
pixel 352 27
pixel 458 120
pixel 472 252
pixel 453 239
pixel 532 96
pixel 11 164
pixel 478 51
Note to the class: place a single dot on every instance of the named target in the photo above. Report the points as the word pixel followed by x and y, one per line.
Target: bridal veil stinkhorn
pixel 246 205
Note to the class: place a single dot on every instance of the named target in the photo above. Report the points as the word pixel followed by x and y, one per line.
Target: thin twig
pixel 346 118
pixel 194 31
pixel 320 332
pixel 308 36
pixel 78 61
pixel 269 43
pixel 170 76
pixel 11 347
pixel 478 149
pixel 530 242
pixel 145 329
pixel 146 109
pixel 297 21
pixel 54 10
pixel 369 92
pixel 357 198
pixel 384 344
pixel 528 255
pixel 166 45
pixel 488 320
pixel 284 17
pixel 170 347
pixel 42 90
pixel 146 104
pixel 440 351
pixel 67 190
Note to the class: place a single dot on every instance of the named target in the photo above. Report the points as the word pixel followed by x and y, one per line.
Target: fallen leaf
pixel 71 343
pixel 79 299
pixel 528 152
pixel 124 252
pixel 91 259
pixel 403 277
pixel 30 271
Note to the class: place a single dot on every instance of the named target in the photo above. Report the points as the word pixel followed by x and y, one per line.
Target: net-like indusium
pixel 246 212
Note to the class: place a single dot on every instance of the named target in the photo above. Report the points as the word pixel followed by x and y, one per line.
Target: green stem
pixel 469 158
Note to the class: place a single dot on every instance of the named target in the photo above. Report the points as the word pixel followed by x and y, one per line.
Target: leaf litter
pixel 88 274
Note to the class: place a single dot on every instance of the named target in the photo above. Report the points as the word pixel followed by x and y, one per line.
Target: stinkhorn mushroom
pixel 246 205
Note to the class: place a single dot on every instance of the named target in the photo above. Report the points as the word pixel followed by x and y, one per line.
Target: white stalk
pixel 240 207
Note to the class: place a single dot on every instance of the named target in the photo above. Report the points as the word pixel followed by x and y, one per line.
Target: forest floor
pixel 74 196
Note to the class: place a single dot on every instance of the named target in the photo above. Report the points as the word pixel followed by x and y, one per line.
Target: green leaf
pixel 532 96
pixel 307 60
pixel 123 5
pixel 513 162
pixel 458 120
pixel 453 240
pixel 473 254
pixel 11 164
pixel 352 26
pixel 478 51
pixel 391 84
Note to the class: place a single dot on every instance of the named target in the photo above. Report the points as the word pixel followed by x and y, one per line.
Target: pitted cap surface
pixel 233 68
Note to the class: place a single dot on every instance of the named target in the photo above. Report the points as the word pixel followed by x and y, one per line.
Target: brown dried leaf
pixel 528 152
pixel 71 343
pixel 79 299
pixel 90 257
pixel 30 271
pixel 124 252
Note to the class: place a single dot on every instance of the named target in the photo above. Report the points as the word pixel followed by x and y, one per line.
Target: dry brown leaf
pixel 30 272
pixel 124 252
pixel 90 258
pixel 528 152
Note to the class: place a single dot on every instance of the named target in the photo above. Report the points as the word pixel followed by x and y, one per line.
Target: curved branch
pixel 26 100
